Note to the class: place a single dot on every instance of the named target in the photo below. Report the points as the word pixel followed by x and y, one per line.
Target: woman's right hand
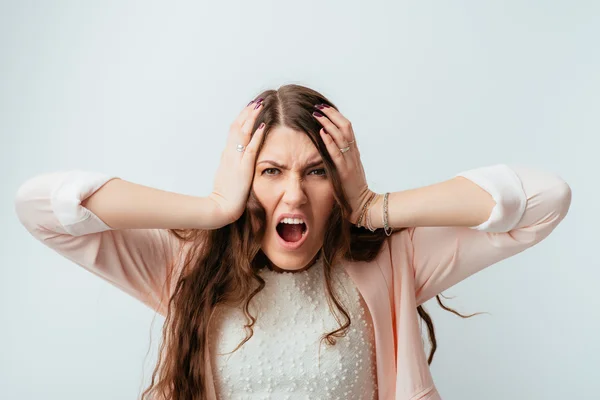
pixel 233 180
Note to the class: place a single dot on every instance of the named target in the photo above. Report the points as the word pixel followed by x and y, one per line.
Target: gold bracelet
pixel 385 214
pixel 369 220
pixel 362 214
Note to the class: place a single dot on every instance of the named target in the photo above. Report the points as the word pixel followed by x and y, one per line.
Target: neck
pixel 275 268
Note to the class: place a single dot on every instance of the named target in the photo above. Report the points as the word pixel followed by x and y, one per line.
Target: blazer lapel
pixel 372 285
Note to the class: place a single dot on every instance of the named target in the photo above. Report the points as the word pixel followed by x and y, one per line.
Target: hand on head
pixel 338 135
pixel 235 173
pixel 233 179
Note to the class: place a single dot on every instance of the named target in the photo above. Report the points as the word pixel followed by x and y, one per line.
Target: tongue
pixel 291 232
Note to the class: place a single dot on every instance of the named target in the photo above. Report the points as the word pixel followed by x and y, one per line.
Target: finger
pixel 332 148
pixel 252 148
pixel 342 123
pixel 246 111
pixel 241 134
pixel 331 129
pixel 246 127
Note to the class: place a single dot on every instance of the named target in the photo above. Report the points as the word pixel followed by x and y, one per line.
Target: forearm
pixel 454 202
pixel 126 205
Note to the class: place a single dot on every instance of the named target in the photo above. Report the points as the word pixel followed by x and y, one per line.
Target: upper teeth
pixel 292 221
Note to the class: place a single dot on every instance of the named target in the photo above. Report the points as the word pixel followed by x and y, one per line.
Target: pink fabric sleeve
pixel 530 203
pixel 134 260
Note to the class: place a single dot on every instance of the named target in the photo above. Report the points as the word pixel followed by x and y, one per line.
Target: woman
pixel 292 251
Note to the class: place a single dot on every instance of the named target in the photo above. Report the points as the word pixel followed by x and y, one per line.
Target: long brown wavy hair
pixel 222 265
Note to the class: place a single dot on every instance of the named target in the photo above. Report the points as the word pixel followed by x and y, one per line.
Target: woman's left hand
pixel 337 133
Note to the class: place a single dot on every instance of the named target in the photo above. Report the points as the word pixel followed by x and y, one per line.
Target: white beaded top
pixel 281 360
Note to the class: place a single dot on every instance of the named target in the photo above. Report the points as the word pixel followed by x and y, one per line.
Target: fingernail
pixel 262 124
pixel 249 103
pixel 319 106
pixel 317 114
pixel 258 105
pixel 325 105
pixel 259 99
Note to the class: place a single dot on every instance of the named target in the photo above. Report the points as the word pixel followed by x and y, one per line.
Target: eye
pixel 321 171
pixel 269 169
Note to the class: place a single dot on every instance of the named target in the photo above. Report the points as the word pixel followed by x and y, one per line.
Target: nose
pixel 294 194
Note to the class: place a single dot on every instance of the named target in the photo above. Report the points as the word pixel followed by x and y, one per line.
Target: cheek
pixel 323 202
pixel 260 190
pixel 265 195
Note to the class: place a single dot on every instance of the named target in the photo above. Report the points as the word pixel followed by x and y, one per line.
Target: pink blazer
pixel 413 266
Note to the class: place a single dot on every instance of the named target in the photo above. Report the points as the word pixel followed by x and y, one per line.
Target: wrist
pixel 376 212
pixel 366 204
pixel 214 214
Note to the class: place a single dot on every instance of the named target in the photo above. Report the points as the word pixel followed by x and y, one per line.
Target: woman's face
pixel 290 178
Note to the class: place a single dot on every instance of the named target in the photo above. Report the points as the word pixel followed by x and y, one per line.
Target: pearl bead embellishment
pixel 285 358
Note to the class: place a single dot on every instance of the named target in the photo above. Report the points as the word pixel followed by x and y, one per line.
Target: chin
pixel 289 262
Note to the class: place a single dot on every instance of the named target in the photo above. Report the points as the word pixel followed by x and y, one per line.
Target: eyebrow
pixel 275 163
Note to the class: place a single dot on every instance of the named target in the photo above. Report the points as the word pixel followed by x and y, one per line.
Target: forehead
pixel 288 145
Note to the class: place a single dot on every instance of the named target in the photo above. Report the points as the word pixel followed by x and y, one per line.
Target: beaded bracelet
pixel 385 214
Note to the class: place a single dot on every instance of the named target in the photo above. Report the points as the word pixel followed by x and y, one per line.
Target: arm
pixel 127 205
pixel 513 208
pixel 101 238
pixel 454 202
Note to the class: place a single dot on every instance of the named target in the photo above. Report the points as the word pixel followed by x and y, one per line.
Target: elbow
pixel 23 199
pixel 545 212
pixel 558 203
pixel 553 198
pixel 32 203
pixel 563 196
pixel 548 196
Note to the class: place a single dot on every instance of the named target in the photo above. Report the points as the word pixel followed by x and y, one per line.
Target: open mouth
pixel 290 231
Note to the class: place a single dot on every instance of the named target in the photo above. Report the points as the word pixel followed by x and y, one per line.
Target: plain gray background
pixel 147 90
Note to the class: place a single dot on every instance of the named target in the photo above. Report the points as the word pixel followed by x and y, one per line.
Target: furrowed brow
pixel 313 164
pixel 278 165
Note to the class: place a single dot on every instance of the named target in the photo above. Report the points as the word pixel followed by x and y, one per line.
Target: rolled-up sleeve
pixel 530 203
pixel 136 261
pixel 505 187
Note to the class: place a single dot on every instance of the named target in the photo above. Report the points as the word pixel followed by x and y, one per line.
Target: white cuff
pixel 66 201
pixel 506 188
